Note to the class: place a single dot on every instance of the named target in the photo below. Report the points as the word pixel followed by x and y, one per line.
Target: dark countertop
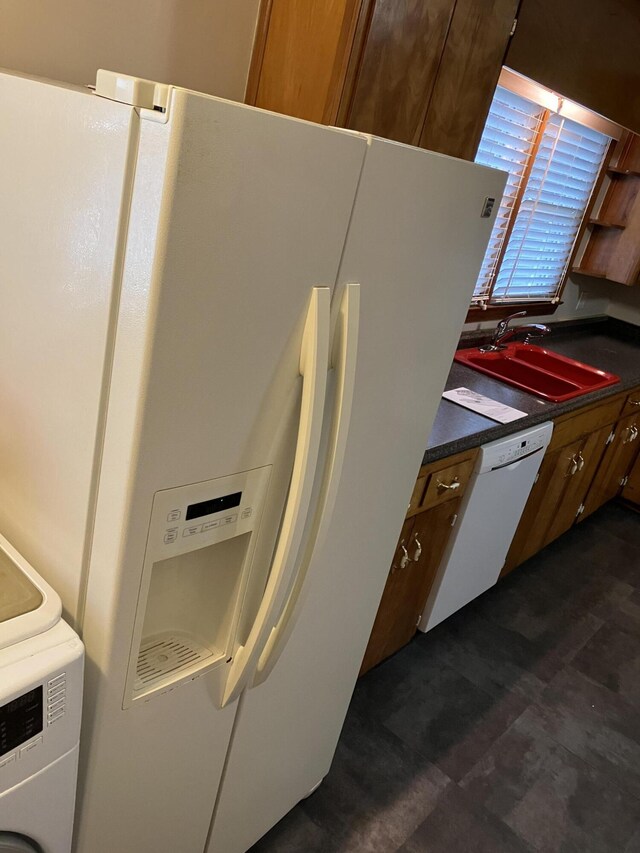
pixel 605 343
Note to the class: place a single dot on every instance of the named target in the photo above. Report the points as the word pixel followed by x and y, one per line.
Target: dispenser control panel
pixel 190 517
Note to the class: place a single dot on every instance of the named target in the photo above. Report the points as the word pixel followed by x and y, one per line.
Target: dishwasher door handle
pixel 519 460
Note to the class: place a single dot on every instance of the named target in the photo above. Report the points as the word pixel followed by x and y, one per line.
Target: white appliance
pixel 41 662
pixel 223 338
pixel 504 474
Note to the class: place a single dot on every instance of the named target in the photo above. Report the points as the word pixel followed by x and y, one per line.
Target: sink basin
pixel 538 371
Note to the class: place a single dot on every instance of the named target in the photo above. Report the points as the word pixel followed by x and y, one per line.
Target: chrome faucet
pixel 504 332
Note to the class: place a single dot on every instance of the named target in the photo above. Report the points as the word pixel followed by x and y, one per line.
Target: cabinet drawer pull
pixel 453 485
pixel 418 552
pixel 634 402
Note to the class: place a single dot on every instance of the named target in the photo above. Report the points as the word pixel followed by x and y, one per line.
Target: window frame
pixel 551 103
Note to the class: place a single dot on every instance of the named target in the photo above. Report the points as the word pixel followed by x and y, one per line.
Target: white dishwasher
pixel 505 472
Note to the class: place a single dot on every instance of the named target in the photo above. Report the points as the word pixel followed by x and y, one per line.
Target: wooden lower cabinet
pixel 420 548
pixel 616 464
pixel 594 453
pixel 598 450
pixel 559 492
pixel 631 491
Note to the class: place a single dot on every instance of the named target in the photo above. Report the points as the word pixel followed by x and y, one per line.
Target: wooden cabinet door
pixel 616 464
pixel 588 459
pixel 429 537
pixel 546 495
pixel 392 604
pixel 397 68
pixel 425 537
pixel 631 491
pixel 467 76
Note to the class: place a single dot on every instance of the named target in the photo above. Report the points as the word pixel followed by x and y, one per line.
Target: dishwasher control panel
pixel 507 450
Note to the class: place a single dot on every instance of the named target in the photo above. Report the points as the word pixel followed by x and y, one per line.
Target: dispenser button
pixel 10 759
pixel 209 525
pixel 30 746
pixel 171 535
pixel 189 531
pixel 174 515
pixel 246 513
pixel 230 518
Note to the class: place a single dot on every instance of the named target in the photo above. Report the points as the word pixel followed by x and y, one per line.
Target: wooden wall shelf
pixel 622 172
pixel 590 272
pixel 606 223
pixel 611 248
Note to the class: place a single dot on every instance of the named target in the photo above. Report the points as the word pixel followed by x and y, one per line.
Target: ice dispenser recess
pixel 199 555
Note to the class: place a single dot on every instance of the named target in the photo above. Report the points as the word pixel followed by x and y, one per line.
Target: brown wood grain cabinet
pixel 418 555
pixel 467 76
pixel 631 490
pixel 616 464
pixel 591 452
pixel 398 68
pixel 611 248
pixel 416 71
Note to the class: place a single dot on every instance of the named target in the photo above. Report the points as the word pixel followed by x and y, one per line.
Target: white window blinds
pixel 553 163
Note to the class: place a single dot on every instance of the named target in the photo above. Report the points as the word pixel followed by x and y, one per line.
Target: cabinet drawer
pixel 569 428
pixel 632 403
pixel 447 483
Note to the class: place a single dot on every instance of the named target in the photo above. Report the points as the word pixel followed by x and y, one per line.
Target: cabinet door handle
pixel 629 435
pixel 404 560
pixel 573 467
pixel 418 552
pixel 580 461
pixel 634 432
pixel 453 485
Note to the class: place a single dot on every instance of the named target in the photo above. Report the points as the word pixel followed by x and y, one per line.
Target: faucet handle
pixel 511 317
pixel 503 325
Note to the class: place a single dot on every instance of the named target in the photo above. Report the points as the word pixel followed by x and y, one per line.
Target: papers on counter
pixel 483 405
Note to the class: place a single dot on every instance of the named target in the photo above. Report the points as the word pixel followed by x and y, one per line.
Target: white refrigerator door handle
pixel 314 360
pixel 344 358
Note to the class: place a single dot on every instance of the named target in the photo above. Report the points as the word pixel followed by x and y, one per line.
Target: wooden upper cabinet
pixel 467 76
pixel 416 71
pixel 397 68
pixel 300 56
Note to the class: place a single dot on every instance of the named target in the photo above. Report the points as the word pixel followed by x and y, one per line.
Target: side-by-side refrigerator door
pixel 66 164
pixel 237 227
pixel 415 245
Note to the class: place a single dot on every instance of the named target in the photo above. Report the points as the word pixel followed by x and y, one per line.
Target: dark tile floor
pixel 513 726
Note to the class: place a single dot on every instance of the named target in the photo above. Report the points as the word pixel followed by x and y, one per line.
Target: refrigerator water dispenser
pixel 200 552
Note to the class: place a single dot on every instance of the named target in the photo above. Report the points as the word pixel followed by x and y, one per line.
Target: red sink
pixel 538 371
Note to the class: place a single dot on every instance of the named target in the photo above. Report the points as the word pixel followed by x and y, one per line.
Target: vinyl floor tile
pixel 513 726
pixel 553 800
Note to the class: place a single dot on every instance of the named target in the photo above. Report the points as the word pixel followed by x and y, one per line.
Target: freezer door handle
pixel 314 362
pixel 344 356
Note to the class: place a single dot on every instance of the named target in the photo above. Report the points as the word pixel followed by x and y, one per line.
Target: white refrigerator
pixel 223 338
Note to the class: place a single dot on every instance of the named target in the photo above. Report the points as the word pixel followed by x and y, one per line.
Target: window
pixel 553 151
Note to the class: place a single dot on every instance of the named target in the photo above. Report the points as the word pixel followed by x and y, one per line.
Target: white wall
pixel 199 44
